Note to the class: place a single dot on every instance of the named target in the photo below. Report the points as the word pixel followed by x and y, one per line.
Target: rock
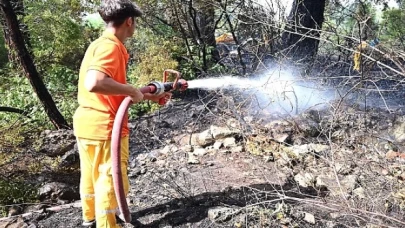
pixel 280 130
pixel 58 191
pixel 344 168
pixel 223 132
pixel 237 149
pixel 399 133
pixel 225 151
pixel 165 150
pixel 282 138
pixel 348 184
pixel 320 184
pixel 14 210
pixel 161 163
pixel 221 214
pixel 200 152
pixel 14 223
pixel 301 150
pixel 335 215
pixel 280 125
pixel 188 148
pixel 359 192
pixel 229 142
pixel 135 172
pixel 205 138
pixel 192 159
pixel 309 127
pixel 269 158
pixel 56 143
pixel 217 145
pixel 185 139
pixel 309 218
pixel 305 181
pixel 390 155
pixel 143 170
pixel 284 160
pixel 70 158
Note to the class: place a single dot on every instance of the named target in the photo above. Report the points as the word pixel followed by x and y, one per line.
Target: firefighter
pixel 101 89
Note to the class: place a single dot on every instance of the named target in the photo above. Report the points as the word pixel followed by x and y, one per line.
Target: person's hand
pixel 156 98
pixel 136 96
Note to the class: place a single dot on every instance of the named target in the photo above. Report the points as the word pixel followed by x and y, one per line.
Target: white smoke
pixel 276 91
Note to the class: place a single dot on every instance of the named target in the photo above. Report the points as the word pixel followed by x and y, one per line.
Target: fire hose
pixel 156 88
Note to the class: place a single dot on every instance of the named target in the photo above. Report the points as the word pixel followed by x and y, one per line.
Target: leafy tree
pixel 25 59
pixel 393 26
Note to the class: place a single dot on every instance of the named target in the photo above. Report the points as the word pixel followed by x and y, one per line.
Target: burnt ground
pixel 264 179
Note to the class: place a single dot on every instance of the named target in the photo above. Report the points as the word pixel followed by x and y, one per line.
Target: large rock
pixel 223 132
pixel 71 157
pixel 301 150
pixel 398 133
pixel 17 222
pixel 347 184
pixel 221 214
pixel 207 137
pixel 56 143
pixel 58 192
pixel 305 180
pixel 280 131
pixel 229 142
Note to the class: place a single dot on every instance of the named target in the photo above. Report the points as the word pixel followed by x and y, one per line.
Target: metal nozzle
pixel 182 84
pixel 160 87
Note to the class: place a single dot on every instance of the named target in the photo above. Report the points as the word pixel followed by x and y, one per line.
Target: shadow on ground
pixel 178 212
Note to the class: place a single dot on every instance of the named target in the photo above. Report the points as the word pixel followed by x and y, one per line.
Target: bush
pixel 15 192
pixel 153 55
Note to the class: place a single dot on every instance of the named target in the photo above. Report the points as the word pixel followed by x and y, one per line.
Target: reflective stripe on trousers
pixel 96 184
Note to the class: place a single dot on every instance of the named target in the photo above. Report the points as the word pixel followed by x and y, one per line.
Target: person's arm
pixel 101 72
pixel 99 82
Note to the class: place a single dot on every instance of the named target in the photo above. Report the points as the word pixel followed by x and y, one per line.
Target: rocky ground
pixel 206 163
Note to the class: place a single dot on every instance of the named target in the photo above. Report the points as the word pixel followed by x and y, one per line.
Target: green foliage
pixel 16 192
pixel 152 54
pixel 62 84
pixel 16 92
pixel 58 40
pixel 393 25
pixel 63 41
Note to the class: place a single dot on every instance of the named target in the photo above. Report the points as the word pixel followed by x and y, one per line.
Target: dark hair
pixel 117 11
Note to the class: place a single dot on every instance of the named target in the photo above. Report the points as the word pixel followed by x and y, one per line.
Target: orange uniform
pixel 96 112
pixel 92 122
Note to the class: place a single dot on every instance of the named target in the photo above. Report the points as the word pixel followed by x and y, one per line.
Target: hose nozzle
pixel 161 87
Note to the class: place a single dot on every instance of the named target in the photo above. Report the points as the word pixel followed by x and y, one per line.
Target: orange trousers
pixel 96 185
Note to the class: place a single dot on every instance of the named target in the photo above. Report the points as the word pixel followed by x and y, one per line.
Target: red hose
pixel 116 153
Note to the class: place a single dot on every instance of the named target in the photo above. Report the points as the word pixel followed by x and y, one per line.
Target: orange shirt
pixel 95 115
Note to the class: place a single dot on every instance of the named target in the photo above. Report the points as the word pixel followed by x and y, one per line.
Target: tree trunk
pixel 18 7
pixel 207 26
pixel 301 36
pixel 25 59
